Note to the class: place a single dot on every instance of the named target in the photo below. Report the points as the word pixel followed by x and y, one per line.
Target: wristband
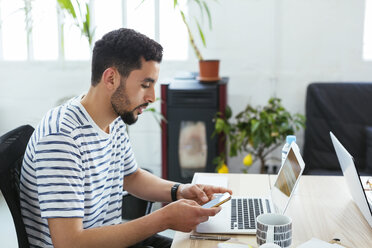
pixel 174 191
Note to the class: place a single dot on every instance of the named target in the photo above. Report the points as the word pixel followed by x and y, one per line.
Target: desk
pixel 321 207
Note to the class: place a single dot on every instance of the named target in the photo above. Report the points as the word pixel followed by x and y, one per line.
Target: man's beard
pixel 128 117
pixel 120 96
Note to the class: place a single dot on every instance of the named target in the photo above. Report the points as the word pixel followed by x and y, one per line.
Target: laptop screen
pixel 352 178
pixel 288 175
pixel 287 179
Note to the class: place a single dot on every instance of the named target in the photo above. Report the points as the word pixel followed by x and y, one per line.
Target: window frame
pixel 60 16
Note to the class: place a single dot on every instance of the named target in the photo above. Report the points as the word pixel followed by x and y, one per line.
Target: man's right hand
pixel 184 215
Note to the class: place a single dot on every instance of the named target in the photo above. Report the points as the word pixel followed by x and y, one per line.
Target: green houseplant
pixel 79 11
pixel 208 69
pixel 256 131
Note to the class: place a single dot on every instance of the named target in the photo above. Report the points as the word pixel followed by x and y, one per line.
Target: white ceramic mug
pixel 274 228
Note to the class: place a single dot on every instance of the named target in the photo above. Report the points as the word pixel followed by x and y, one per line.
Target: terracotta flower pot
pixel 209 70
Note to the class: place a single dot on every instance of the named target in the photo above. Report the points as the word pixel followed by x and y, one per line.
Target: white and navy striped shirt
pixel 72 168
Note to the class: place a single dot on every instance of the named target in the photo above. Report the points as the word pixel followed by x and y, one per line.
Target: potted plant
pixel 256 131
pixel 208 69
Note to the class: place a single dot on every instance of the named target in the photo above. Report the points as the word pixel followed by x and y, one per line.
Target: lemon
pixel 223 169
pixel 247 161
pixel 219 125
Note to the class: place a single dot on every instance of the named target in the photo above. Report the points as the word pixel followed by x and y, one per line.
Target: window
pixel 103 24
pixel 173 33
pixel 44 30
pixel 14 39
pixel 76 46
pixel 141 17
pixel 367 39
pixel 42 40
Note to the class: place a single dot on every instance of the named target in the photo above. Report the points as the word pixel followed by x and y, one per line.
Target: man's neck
pixel 99 108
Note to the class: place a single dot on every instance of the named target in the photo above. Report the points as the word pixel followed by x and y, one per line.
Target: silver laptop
pixel 352 178
pixel 238 216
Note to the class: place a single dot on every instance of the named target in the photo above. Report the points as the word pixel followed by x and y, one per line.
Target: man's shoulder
pixel 66 118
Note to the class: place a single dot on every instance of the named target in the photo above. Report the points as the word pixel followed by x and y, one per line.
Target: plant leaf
pixel 208 13
pixel 67 6
pixel 89 32
pixel 141 3
pixel 201 8
pixel 255 125
pixel 228 112
pixel 183 17
pixel 201 33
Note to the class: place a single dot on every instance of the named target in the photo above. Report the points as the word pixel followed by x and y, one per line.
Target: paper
pixel 367 188
pixel 369 197
pixel 233 245
pixel 319 244
pixel 221 181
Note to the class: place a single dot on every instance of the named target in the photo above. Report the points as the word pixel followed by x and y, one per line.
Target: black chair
pixel 345 109
pixel 12 148
pixel 134 207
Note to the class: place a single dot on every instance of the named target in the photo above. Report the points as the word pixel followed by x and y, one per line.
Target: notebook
pixel 238 216
pixel 352 178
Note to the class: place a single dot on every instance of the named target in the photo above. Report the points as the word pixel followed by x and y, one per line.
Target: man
pixel 79 159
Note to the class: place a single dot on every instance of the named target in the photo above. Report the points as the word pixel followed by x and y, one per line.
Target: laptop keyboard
pixel 245 210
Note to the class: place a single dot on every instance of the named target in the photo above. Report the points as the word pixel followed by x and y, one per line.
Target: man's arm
pixel 69 232
pixel 147 186
pixel 150 187
pixel 182 215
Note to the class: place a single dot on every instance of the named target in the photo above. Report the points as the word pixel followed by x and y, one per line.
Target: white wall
pixel 266 47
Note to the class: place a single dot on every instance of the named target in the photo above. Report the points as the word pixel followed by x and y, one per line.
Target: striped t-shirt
pixel 72 168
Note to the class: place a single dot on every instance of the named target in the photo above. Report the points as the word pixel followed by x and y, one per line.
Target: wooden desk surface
pixel 321 207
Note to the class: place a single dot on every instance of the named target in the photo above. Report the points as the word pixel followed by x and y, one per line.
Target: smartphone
pixel 220 199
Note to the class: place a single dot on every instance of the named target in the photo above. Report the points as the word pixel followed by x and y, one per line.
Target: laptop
pixel 238 216
pixel 352 178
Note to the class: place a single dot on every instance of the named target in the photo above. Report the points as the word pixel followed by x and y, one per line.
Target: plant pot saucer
pixel 208 79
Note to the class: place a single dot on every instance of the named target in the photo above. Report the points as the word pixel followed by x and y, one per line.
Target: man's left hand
pixel 200 193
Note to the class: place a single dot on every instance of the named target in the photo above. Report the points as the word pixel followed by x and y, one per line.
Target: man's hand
pixel 184 215
pixel 199 192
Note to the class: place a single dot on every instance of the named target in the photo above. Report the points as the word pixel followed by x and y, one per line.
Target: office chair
pixel 134 207
pixel 348 119
pixel 12 148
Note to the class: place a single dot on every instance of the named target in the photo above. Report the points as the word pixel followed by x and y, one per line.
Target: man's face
pixel 135 92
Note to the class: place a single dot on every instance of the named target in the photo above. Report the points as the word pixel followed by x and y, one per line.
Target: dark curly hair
pixel 123 49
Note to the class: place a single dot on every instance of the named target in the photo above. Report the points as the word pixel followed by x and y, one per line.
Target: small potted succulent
pixel 256 132
pixel 208 69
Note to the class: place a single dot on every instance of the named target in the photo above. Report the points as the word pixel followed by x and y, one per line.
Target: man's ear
pixel 111 78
